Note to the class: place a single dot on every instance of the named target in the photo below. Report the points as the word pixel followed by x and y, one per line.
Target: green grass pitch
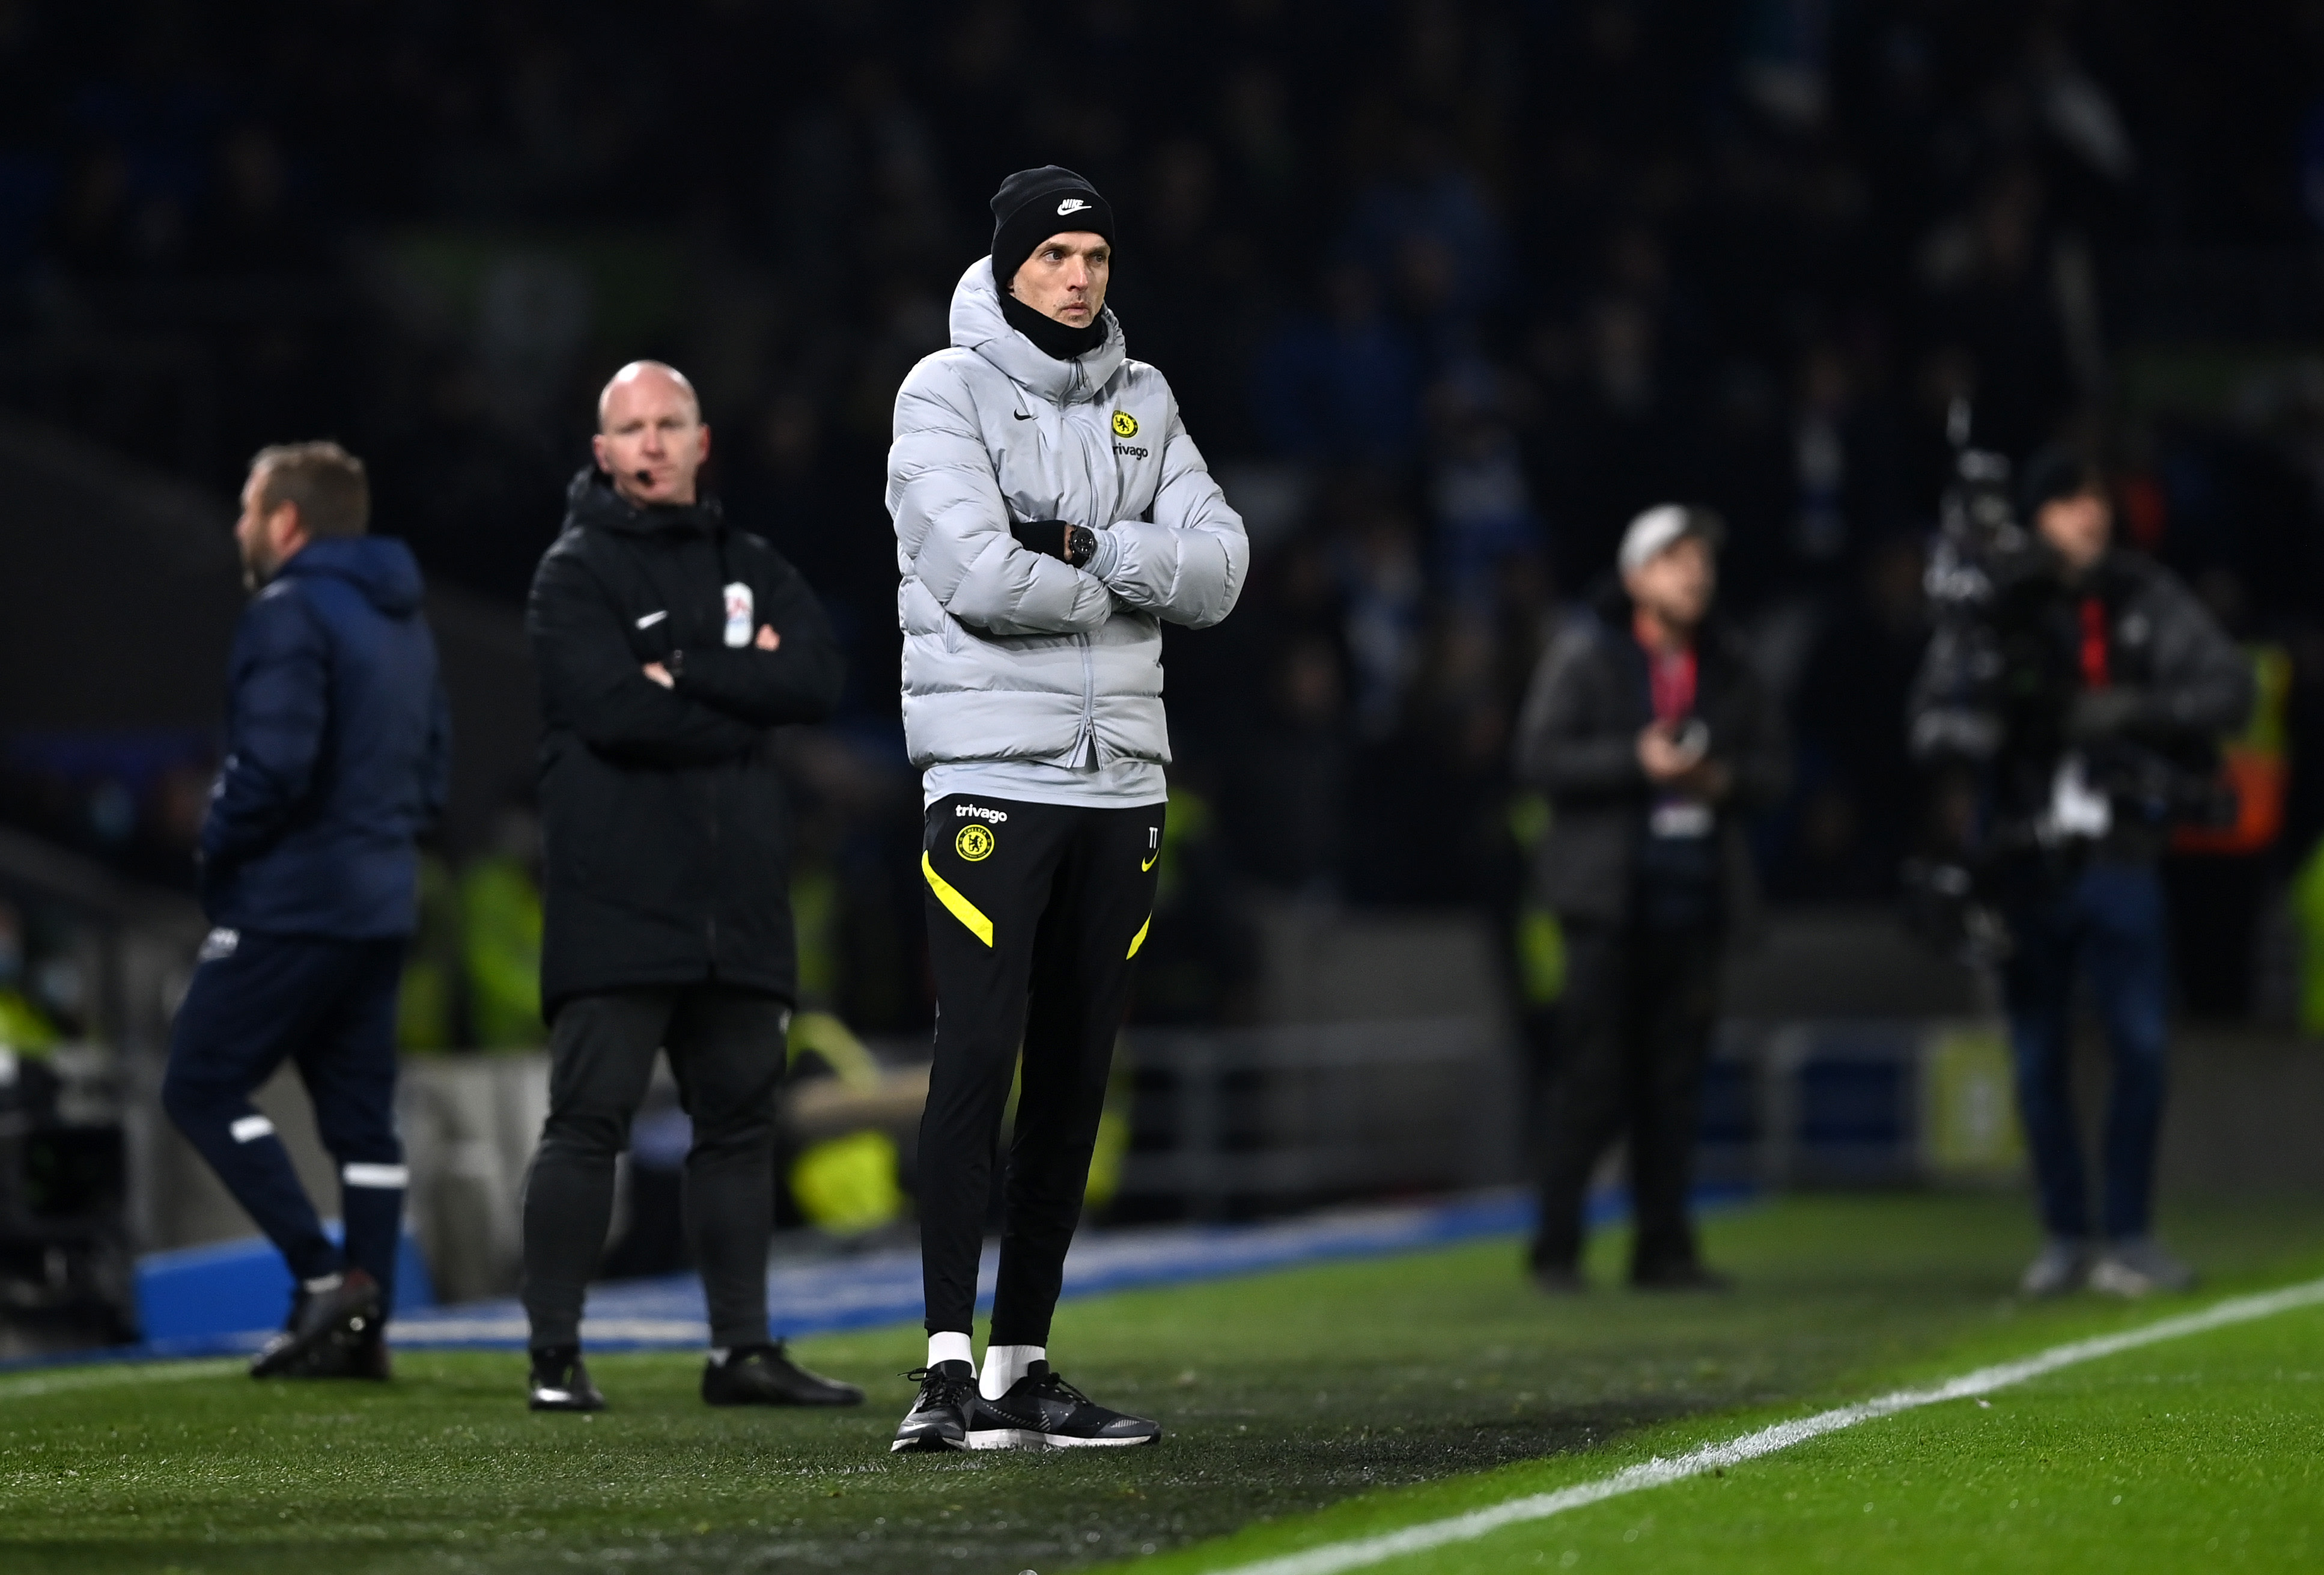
pixel 1304 1406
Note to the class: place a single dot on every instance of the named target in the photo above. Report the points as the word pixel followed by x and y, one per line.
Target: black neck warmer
pixel 1057 340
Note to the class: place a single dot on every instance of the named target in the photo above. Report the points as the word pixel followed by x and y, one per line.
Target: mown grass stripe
pixel 107 1375
pixel 1359 1552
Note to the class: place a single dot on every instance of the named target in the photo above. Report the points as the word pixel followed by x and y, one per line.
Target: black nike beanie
pixel 1033 205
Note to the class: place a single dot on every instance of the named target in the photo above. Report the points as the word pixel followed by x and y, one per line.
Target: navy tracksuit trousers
pixel 2109 923
pixel 329 1005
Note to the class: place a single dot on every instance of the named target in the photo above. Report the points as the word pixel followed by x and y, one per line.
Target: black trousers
pixel 1037 912
pixel 1635 1031
pixel 726 1050
pixel 329 1005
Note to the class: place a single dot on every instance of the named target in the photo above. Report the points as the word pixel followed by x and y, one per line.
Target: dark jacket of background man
pixel 2010 692
pixel 1577 741
pixel 665 826
pixel 337 749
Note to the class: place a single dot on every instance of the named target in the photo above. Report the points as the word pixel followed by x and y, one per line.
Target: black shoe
pixel 946 1407
pixel 343 1316
pixel 365 1357
pixel 763 1375
pixel 370 1359
pixel 1559 1280
pixel 1042 1408
pixel 1687 1276
pixel 560 1383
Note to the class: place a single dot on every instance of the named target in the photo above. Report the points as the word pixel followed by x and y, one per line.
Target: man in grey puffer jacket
pixel 1050 512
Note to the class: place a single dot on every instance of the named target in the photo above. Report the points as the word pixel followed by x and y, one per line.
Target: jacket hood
pixel 382 567
pixel 590 500
pixel 977 325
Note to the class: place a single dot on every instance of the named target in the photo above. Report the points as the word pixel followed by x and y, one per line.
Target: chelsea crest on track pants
pixel 1037 912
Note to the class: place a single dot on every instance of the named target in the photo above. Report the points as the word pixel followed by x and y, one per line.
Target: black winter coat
pixel 1577 740
pixel 666 831
pixel 2001 692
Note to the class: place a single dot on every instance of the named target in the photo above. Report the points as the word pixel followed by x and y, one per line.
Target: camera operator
pixel 2086 691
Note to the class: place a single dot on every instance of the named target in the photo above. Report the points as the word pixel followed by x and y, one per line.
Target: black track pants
pixel 1036 912
pixel 726 1050
pixel 1635 1031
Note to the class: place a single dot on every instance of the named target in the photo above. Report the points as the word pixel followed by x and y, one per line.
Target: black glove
pixel 1073 544
pixel 2097 715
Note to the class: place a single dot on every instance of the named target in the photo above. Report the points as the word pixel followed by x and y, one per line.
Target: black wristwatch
pixel 1081 545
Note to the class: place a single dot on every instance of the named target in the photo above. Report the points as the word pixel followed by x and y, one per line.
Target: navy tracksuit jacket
pixel 338 757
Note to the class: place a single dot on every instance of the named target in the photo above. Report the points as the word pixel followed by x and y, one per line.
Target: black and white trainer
pixel 943 1411
pixel 559 1382
pixel 1041 1409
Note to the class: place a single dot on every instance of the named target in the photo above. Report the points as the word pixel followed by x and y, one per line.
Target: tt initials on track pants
pixel 1037 912
pixel 256 1001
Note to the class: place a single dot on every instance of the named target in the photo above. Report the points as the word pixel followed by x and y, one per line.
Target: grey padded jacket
pixel 1010 654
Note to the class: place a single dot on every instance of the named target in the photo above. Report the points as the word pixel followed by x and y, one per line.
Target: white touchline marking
pixel 112 1373
pixel 1658 1472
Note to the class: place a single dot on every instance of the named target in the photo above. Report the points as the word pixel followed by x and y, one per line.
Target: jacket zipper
pixel 1087 740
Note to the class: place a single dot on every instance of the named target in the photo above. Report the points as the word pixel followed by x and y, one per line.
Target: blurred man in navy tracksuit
pixel 337 756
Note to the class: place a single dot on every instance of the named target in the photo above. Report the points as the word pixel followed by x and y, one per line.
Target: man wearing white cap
pixel 1651 735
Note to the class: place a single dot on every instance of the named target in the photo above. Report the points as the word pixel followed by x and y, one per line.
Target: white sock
pixel 321 1283
pixel 1004 1365
pixel 949 1347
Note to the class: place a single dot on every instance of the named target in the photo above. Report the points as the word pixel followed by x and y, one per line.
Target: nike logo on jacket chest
pixel 1085 464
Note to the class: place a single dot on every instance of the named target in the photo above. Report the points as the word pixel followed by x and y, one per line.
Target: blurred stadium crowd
pixel 1449 290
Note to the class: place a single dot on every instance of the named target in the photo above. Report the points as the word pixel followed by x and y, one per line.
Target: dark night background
pixel 1448 289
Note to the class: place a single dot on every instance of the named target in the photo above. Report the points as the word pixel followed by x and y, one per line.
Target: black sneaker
pixel 370 1358
pixel 343 1316
pixel 947 1406
pixel 365 1357
pixel 764 1375
pixel 1683 1275
pixel 1559 1279
pixel 560 1383
pixel 1041 1408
